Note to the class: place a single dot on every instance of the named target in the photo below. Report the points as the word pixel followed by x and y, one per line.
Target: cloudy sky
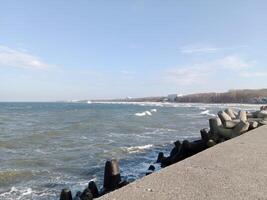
pixel 62 50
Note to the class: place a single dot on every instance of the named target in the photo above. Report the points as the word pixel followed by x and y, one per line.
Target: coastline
pixel 227 125
pixel 234 169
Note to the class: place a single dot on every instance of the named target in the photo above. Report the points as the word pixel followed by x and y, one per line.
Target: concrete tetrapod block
pixel 255 114
pixel 263 122
pixel 253 125
pixel 262 114
pixel 86 195
pixel 242 115
pixel 112 176
pixel 230 112
pixel 92 186
pixel 250 115
pixel 233 170
pixel 231 123
pixel 240 128
pixel 214 124
pixel 223 116
pixel 65 194
pixel 225 132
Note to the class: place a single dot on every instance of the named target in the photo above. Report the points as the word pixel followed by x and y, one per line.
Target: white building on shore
pixel 173 97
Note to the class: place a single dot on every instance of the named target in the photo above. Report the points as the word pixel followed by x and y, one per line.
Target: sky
pixel 57 50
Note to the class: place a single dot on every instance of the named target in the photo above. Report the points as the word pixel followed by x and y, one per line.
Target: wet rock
pixel 112 176
pixel 65 194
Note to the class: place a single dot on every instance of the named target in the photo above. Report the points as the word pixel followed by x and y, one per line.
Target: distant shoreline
pixel 245 96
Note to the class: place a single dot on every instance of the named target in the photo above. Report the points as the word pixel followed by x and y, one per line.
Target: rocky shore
pixel 228 124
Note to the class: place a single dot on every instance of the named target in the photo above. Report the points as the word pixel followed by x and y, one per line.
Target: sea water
pixel 45 147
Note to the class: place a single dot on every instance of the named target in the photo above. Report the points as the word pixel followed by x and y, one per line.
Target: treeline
pixel 232 96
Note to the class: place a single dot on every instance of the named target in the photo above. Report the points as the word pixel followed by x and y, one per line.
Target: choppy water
pixel 47 146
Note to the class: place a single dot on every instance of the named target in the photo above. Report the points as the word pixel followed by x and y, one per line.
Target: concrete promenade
pixel 235 169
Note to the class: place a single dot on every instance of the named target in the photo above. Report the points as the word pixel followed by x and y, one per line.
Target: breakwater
pixel 232 170
pixel 227 125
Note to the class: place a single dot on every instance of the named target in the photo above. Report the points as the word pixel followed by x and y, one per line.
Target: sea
pixel 45 147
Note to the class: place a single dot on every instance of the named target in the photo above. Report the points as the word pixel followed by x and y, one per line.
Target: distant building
pixel 260 100
pixel 172 97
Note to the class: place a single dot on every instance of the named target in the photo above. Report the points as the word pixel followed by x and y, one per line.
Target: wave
pixel 188 105
pixel 138 149
pixel 145 113
pixel 207 112
pixel 16 193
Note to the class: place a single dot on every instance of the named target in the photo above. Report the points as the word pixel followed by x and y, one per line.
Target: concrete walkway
pixel 236 169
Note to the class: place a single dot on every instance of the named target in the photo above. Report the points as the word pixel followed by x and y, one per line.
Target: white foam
pixel 16 193
pixel 153 110
pixel 27 192
pixel 137 149
pixel 141 114
pixel 207 112
pixel 187 105
pixel 148 113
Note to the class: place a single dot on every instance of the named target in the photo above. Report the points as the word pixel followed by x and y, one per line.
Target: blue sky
pixel 62 50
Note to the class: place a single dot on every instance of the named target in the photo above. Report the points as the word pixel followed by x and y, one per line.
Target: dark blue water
pixel 47 146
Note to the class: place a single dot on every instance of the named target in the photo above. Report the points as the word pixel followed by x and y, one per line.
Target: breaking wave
pixel 138 149
pixel 145 113
pixel 207 112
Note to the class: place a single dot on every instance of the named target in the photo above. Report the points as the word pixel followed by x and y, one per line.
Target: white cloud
pixel 199 73
pixel 190 49
pixel 253 74
pixel 16 58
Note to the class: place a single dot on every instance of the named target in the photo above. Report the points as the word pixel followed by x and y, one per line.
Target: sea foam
pixel 207 112
pixel 145 113
pixel 138 149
